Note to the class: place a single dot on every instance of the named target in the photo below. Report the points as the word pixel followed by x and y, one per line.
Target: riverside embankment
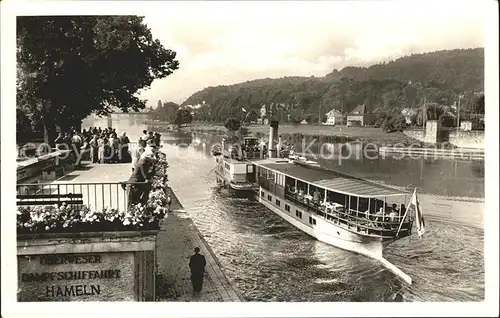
pixel 175 243
pixel 317 133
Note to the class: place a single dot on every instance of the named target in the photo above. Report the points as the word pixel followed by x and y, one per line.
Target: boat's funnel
pixel 273 133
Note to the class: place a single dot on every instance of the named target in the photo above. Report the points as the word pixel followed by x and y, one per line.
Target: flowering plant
pixel 160 176
pixel 81 218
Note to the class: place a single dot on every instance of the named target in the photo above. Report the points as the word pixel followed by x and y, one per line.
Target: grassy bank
pixel 323 134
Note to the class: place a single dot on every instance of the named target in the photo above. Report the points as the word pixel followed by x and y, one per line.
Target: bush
pixel 447 120
pixel 394 123
pixel 232 124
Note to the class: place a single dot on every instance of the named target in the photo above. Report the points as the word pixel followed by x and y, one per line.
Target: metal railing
pixel 369 224
pixel 96 196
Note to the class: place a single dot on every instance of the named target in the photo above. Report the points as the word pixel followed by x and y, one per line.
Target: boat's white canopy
pixel 332 180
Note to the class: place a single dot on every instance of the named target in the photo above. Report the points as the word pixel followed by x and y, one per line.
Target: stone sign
pixel 76 277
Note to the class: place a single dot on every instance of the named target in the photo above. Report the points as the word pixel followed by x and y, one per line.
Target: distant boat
pixel 233 168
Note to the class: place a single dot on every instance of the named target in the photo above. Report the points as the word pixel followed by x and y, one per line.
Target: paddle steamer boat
pixel 233 166
pixel 347 212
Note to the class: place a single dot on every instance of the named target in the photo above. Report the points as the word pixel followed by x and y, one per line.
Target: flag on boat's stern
pixel 243 109
pixel 419 217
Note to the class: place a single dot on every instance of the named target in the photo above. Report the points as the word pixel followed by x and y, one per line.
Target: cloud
pixel 220 43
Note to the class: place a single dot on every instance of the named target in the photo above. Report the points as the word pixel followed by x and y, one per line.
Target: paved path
pixel 176 241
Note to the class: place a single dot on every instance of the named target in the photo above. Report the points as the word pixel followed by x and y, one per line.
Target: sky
pixel 223 43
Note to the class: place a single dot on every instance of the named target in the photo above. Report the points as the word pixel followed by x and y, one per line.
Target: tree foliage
pixel 478 105
pixel 166 111
pixel 232 124
pixel 183 117
pixel 72 66
pixel 393 123
pixel 251 116
pixel 448 120
pixel 437 77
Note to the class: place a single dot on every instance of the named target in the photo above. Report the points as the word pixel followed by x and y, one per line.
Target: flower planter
pixel 87 266
pixel 73 253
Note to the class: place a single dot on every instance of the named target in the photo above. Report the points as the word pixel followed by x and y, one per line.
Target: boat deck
pixel 331 180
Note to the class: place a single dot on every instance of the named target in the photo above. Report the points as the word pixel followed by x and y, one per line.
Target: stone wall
pixel 464 139
pixel 467 139
pixel 103 266
pixel 417 134
pixel 431 134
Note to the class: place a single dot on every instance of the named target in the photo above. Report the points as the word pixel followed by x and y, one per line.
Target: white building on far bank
pixel 333 117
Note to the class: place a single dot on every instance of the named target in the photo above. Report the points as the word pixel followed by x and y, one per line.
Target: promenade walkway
pixel 176 241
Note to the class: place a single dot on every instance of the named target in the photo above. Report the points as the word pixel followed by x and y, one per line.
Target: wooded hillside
pixel 437 77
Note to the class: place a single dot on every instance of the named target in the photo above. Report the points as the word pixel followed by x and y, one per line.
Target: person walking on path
pixel 197 264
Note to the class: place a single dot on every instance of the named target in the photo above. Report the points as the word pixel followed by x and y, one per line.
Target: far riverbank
pixel 323 133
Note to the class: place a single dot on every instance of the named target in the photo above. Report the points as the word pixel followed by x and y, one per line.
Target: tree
pixel 448 120
pixel 72 66
pixel 183 117
pixel 312 118
pixel 394 123
pixel 232 124
pixel 251 116
pixel 478 104
pixel 414 119
pixel 405 82
pixel 167 112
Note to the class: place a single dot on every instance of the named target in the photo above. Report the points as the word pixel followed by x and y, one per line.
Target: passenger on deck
pixel 379 217
pixel 393 218
pixel 395 208
pixel 316 195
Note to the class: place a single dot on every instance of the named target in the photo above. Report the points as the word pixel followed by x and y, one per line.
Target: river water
pixel 269 260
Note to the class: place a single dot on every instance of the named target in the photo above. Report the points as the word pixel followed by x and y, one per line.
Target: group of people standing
pixel 106 146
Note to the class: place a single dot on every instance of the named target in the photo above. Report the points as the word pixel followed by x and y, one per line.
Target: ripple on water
pixel 270 260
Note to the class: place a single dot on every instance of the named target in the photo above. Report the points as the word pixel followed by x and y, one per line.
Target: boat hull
pixel 322 230
pixel 237 186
